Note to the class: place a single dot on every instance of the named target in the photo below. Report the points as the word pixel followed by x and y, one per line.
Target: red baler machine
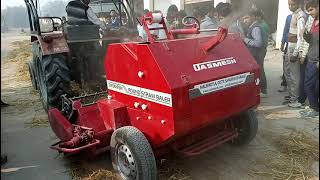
pixel 184 95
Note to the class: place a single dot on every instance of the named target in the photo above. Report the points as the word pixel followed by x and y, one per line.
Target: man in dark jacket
pixel 80 13
pixel 255 43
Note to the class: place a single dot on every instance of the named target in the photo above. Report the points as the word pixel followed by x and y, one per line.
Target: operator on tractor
pixel 80 13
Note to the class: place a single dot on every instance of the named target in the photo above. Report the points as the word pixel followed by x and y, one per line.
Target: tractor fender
pixel 51 43
pixel 113 113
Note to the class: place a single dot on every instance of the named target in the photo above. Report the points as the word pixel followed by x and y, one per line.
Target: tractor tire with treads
pixel 54 80
pixel 32 73
pixel 132 155
pixel 247 127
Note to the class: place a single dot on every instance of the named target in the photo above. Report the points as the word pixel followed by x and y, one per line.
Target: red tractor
pixel 184 95
pixel 72 50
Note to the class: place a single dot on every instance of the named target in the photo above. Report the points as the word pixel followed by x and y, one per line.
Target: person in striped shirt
pixel 292 64
pixel 303 50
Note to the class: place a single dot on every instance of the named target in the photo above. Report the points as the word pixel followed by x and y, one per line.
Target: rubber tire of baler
pixel 141 151
pixel 32 74
pixel 55 80
pixel 247 126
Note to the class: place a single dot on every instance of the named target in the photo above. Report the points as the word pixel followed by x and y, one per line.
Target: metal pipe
pixel 208 30
pixel 120 12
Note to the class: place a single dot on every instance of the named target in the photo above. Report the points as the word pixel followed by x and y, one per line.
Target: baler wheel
pixel 247 127
pixel 132 155
pixel 54 80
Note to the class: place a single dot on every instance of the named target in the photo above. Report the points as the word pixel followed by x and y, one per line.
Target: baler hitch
pixel 83 138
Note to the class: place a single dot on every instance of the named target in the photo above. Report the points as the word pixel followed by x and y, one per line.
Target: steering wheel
pixel 186 22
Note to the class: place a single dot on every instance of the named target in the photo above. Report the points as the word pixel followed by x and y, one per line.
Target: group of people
pixel 300 47
pixel 251 26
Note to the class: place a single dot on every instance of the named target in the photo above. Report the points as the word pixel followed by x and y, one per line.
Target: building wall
pixel 162 5
pixel 219 1
pixel 282 15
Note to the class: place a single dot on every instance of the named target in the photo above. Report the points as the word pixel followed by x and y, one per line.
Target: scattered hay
pixel 75 88
pixel 78 172
pixel 37 122
pixel 21 54
pixel 283 166
pixel 283 114
pixel 20 49
pixel 296 153
pixel 170 170
pixel 167 170
pixel 101 174
pixel 299 144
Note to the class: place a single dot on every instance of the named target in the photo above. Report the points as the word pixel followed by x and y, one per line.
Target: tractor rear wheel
pixel 247 127
pixel 53 79
pixel 32 72
pixel 132 155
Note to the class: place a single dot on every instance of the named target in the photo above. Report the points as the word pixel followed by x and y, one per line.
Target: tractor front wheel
pixel 132 155
pixel 53 80
pixel 247 127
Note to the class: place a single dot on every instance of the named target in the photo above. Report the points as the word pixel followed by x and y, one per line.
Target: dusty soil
pixel 25 137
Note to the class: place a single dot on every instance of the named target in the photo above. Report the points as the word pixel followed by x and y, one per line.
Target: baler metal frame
pixel 144 116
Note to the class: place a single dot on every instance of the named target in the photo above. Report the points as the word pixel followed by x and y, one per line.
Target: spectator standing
pixel 284 49
pixel 205 21
pixel 172 17
pixel 213 14
pixel 264 27
pixel 255 43
pixel 265 30
pixel 227 19
pixel 292 63
pixel 181 15
pixel 303 59
pixel 311 82
pixel 115 19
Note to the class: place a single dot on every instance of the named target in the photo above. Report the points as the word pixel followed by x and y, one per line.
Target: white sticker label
pixel 147 94
pixel 214 64
pixel 222 83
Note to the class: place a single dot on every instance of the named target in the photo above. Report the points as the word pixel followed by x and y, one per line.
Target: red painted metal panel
pixel 60 125
pixel 89 116
pixel 113 113
pixel 168 67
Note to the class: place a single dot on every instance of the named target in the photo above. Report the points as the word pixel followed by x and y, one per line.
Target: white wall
pixel 283 12
pixel 146 4
pixel 219 1
pixel 162 5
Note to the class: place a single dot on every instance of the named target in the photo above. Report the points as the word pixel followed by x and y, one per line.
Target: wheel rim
pixel 126 163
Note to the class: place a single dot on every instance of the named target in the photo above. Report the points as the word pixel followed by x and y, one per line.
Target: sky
pixel 6 3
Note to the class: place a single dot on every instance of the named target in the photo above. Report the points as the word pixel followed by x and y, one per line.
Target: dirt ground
pixel 286 146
